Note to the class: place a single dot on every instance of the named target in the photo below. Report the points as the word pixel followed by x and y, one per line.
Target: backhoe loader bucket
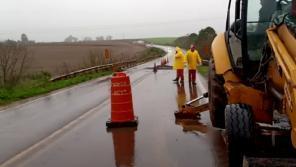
pixel 188 111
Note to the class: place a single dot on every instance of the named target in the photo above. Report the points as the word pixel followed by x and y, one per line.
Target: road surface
pixel 67 128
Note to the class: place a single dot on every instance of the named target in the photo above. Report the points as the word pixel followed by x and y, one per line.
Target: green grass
pixel 40 84
pixel 162 40
pixel 203 70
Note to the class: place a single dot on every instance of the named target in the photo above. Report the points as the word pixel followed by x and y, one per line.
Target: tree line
pixel 71 38
pixel 202 40
pixel 13 60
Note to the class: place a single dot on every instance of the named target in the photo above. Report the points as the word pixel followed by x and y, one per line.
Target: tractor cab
pixel 252 75
pixel 247 22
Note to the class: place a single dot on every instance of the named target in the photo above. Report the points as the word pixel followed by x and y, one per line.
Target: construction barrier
pixel 122 112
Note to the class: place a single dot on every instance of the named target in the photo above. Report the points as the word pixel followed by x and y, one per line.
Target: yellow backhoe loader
pixel 252 76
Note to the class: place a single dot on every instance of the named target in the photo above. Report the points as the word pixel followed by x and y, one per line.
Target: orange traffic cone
pixel 122 113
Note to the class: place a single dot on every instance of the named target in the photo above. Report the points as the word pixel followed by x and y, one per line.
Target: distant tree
pixel 13 59
pixel 100 38
pixel 183 42
pixel 186 41
pixel 70 38
pixel 204 41
pixel 87 39
pixel 24 38
pixel 109 37
pixel 193 37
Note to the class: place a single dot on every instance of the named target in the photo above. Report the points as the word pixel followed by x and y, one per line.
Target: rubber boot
pixel 182 82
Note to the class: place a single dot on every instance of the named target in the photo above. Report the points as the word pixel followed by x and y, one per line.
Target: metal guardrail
pixel 124 64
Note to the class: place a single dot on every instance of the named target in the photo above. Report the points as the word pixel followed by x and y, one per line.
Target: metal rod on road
pixel 205 95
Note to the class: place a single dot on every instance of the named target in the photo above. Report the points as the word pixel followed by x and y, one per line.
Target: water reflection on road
pixel 181 95
pixel 124 146
pixel 201 128
pixel 193 91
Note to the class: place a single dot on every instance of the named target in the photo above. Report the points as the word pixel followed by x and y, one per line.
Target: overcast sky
pixel 54 20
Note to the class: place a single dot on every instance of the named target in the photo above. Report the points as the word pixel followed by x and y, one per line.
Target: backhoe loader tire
pixel 217 96
pixel 239 128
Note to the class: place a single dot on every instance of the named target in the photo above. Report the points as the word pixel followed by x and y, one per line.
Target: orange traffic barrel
pixel 122 112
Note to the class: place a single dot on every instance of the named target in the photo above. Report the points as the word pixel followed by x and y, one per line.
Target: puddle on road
pixel 192 126
pixel 159 139
pixel 200 127
pixel 189 125
pixel 131 149
pixel 181 98
pixel 124 146
pixel 265 146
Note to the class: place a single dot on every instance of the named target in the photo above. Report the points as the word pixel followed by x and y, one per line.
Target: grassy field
pixel 161 40
pixel 203 70
pixel 60 58
pixel 38 84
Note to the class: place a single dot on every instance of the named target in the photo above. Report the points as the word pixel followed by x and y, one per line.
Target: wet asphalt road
pixel 24 125
pixel 159 139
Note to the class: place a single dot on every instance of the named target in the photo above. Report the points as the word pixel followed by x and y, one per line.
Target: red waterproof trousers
pixel 180 74
pixel 192 76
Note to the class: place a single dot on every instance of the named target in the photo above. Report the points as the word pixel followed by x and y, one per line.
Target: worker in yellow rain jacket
pixel 193 60
pixel 179 65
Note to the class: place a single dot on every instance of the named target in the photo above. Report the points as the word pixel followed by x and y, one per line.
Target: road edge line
pixel 24 102
pixel 13 161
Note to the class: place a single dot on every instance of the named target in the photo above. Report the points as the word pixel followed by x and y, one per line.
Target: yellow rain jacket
pixel 179 59
pixel 193 59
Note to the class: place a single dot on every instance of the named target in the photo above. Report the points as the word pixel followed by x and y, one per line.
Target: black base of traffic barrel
pixel 133 123
pixel 186 115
